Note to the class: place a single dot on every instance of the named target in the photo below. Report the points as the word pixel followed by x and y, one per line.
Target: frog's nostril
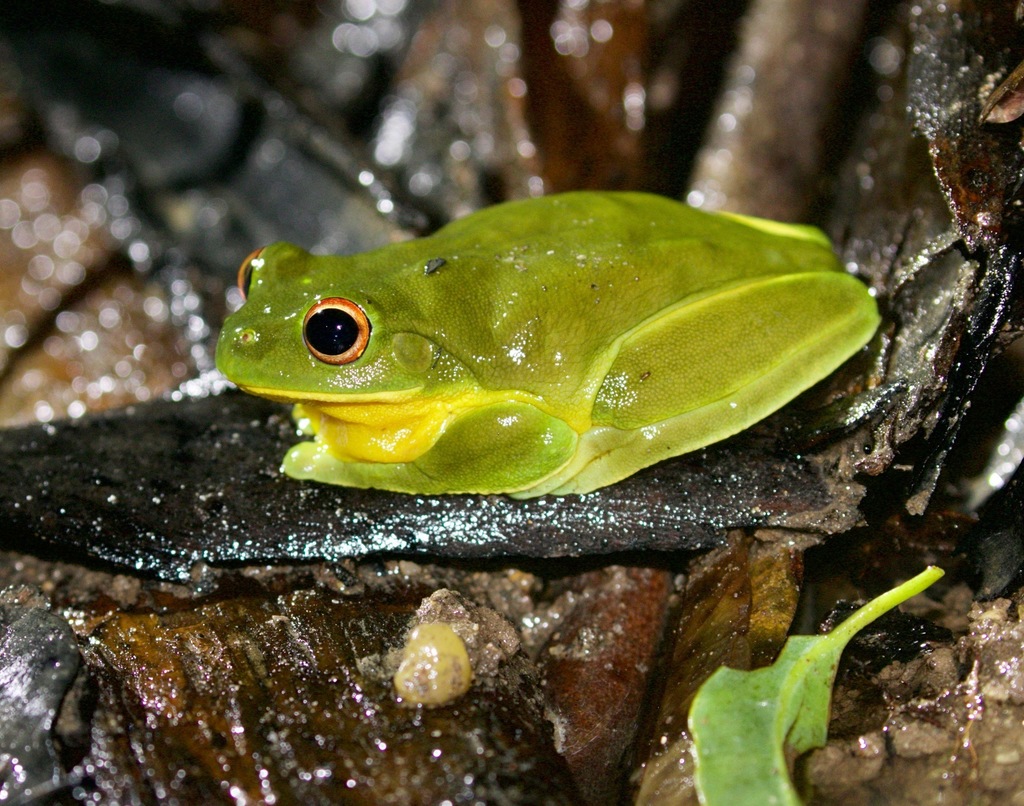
pixel 248 336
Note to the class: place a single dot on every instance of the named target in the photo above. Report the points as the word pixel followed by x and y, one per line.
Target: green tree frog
pixel 548 346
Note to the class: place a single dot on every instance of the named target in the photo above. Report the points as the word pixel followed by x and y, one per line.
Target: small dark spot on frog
pixel 433 265
pixel 593 286
pixel 645 375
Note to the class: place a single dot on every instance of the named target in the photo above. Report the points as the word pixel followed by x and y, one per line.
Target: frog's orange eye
pixel 245 271
pixel 336 330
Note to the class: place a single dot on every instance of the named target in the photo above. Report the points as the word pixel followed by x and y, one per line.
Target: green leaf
pixel 747 725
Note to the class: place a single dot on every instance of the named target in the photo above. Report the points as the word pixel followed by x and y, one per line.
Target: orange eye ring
pixel 245 272
pixel 336 330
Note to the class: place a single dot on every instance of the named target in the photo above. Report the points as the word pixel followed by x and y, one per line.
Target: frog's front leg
pixel 498 448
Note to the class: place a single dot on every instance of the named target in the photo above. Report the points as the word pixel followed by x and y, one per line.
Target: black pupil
pixel 331 331
pixel 246 280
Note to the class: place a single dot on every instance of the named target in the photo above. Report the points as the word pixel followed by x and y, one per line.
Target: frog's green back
pixel 539 290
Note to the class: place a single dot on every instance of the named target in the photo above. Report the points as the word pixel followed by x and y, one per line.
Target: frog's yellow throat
pixel 375 432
